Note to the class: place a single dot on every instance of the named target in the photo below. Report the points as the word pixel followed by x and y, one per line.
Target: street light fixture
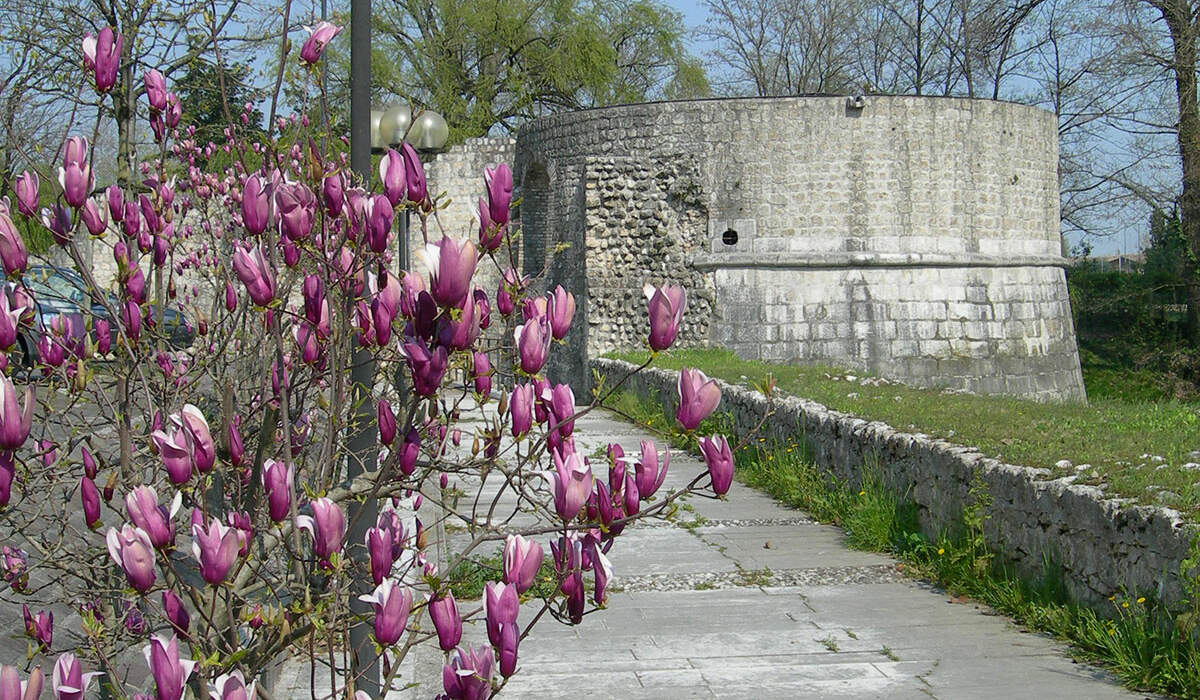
pixel 428 134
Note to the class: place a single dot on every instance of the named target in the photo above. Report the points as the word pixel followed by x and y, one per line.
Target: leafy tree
pixel 487 64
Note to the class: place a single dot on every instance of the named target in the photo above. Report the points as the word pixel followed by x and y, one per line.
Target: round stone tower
pixel 914 237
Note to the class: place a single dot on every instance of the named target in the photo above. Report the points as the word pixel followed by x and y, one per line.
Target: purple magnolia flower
pixel 312 290
pixel 561 402
pixel 520 407
pixel 116 203
pixel 156 90
pixel 93 218
pixel 428 368
pixel 58 220
pixel 132 550
pixel 481 371
pixel 69 681
pixel 318 38
pixel 333 187
pixel 649 476
pixel 719 458
pixel 571 482
pixel 387 422
pixel 75 175
pixel 13 254
pixel 230 297
pixel 103 335
pixel 307 342
pixel 15 423
pixel 176 614
pixel 414 174
pixel 446 620
pixel 232 686
pixel 326 526
pixel 392 604
pixel 277 481
pixel 500 608
pixel 172 450
pixel 26 186
pixel 189 446
pixel 90 497
pixel 490 235
pixel 379 214
pixel 146 513
pixel 522 560
pixel 135 285
pixel 11 686
pixel 216 550
pixel 255 272
pixel 461 333
pixel 380 549
pixel 499 181
pixel 512 283
pixel 392 175
pixel 169 670
pixel 698 397
pixel 14 567
pixel 468 676
pixel 256 205
pixel 534 309
pixel 560 310
pixel 409 451
pixel 102 55
pixel 131 319
pixel 666 305
pixel 297 207
pixel 533 344
pixel 39 627
pixel 237 449
pixel 451 266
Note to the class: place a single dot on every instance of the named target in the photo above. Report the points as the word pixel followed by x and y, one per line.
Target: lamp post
pixel 372 131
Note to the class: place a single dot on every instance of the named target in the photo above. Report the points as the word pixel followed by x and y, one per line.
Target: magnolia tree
pixel 195 506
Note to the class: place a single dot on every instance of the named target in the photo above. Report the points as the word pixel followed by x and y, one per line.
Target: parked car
pixel 58 291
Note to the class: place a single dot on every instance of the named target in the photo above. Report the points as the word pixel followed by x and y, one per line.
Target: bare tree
pixel 783 48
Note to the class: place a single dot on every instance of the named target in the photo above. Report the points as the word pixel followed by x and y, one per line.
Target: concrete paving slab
pixel 692 615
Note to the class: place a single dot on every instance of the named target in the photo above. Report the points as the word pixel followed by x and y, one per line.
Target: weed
pixel 756 577
pixel 887 651
pixel 468 578
pixel 830 643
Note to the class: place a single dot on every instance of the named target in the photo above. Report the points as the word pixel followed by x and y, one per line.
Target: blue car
pixel 59 292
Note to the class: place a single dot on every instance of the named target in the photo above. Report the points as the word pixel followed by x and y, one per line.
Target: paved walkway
pixel 757 601
pixel 699 616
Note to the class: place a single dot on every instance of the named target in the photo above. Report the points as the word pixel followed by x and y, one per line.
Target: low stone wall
pixel 1104 545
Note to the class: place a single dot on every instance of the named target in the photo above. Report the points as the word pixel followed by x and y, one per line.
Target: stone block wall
pixel 991 329
pixel 925 230
pixel 458 173
pixel 1104 545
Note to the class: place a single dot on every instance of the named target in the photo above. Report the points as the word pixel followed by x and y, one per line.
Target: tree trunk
pixel 1178 16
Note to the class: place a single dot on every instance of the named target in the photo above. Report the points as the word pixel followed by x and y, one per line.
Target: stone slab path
pixel 699 616
pixel 745 598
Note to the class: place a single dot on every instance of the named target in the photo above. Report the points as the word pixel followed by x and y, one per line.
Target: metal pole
pixel 363 457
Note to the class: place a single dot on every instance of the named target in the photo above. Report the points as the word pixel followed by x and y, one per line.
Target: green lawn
pixel 1137 449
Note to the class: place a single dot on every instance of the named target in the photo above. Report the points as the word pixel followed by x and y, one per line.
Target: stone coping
pixel 795 260
pixel 1105 546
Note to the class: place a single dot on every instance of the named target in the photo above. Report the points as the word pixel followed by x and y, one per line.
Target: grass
pixel 1147 646
pixel 1117 437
